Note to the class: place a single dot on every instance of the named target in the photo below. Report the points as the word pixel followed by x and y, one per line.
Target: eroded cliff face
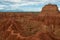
pixel 21 26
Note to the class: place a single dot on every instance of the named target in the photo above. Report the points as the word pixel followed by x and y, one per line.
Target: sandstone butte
pixel 44 25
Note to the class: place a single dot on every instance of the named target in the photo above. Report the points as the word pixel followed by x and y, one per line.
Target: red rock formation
pixel 49 10
pixel 50 17
pixel 20 26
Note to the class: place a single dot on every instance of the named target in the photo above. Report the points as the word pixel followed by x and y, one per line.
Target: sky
pixel 25 5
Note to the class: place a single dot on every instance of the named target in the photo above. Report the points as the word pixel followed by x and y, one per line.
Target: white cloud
pixel 31 2
pixel 13 7
pixel 59 9
pixel 18 3
pixel 13 0
pixel 2 7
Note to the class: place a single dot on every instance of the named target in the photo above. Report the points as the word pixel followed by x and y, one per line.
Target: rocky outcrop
pixel 21 26
pixel 49 9
pixel 50 17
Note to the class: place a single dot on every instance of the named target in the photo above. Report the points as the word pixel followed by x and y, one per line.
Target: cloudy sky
pixel 25 5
